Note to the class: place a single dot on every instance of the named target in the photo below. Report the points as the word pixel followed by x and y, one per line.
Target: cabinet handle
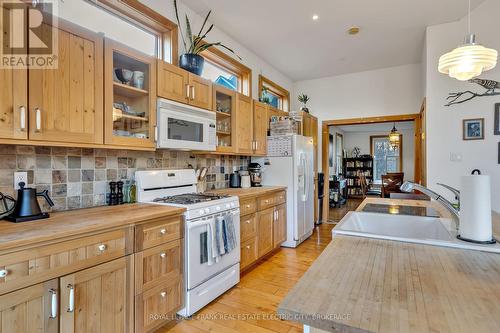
pixel 22 118
pixel 71 300
pixel 38 120
pixel 102 247
pixel 156 133
pixel 53 304
pixel 266 201
pixel 188 88
pixel 163 231
pixel 247 221
pixel 248 247
pixel 277 215
pixel 192 93
pixel 256 145
pixel 247 206
pixel 163 255
pixel 163 294
pixel 4 273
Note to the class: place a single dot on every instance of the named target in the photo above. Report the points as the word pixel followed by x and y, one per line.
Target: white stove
pixel 206 277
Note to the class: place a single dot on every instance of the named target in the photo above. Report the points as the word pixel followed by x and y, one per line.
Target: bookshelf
pixel 353 166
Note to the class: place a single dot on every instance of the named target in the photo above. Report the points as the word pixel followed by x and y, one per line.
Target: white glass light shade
pixel 467 61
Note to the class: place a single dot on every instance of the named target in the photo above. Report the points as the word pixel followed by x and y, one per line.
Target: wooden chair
pixel 391 183
pixel 366 188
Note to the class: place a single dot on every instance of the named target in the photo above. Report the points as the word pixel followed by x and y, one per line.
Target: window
pixel 273 94
pixel 126 21
pixel 386 159
pixel 339 151
pixel 224 70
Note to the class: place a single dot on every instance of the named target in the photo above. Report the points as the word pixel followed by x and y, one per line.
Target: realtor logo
pixel 29 34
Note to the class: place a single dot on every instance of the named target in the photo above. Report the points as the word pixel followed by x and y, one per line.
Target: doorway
pixel 377 155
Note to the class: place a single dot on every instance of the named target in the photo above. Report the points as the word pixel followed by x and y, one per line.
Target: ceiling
pixel 283 33
pixel 380 127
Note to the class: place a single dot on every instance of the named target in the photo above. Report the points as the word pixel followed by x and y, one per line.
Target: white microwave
pixel 185 127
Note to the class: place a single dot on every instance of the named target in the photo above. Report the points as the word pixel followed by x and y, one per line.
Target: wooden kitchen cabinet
pixel 66 103
pixel 98 299
pixel 176 84
pixel 244 125
pixel 265 231
pixel 224 105
pixel 261 124
pixel 279 232
pixel 31 309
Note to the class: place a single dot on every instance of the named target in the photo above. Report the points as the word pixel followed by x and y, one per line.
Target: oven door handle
pixel 197 224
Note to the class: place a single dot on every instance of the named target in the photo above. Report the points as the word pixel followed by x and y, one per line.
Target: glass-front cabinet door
pixel 130 80
pixel 225 107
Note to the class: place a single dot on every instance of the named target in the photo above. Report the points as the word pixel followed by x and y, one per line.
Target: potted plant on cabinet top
pixel 194 45
pixel 303 98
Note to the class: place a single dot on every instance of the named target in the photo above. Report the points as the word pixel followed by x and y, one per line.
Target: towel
pixel 212 250
pixel 221 238
pixel 229 233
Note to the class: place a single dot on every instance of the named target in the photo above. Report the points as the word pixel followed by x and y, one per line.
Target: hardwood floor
pixel 336 214
pixel 251 305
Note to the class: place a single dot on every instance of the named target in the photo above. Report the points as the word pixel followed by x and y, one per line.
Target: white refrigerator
pixel 289 163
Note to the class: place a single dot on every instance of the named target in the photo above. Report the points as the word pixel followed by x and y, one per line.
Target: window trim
pixel 228 63
pixel 372 137
pixel 277 90
pixel 341 155
pixel 146 18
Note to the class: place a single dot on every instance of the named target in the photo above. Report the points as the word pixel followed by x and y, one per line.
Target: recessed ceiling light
pixel 315 17
pixel 353 30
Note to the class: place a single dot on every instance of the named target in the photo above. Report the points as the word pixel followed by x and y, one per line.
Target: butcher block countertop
pixel 370 285
pixel 81 221
pixel 244 193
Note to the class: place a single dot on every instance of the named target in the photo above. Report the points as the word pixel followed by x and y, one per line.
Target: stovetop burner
pixel 189 199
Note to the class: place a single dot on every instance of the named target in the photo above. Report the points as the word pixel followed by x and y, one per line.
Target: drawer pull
pixel 247 221
pixel 247 206
pixel 266 201
pixel 71 301
pixel 4 273
pixel 163 255
pixel 102 247
pixel 163 231
pixel 53 304
pixel 163 294
pixel 248 247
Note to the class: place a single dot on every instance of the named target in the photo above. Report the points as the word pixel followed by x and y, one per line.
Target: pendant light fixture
pixel 394 137
pixel 469 60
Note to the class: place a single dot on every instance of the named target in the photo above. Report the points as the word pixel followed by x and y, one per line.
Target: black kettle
pixel 235 180
pixel 27 207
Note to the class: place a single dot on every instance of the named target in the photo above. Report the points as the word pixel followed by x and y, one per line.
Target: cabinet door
pixel 248 252
pixel 224 105
pixel 172 82
pixel 13 100
pixel 66 104
pixel 200 94
pixel 244 124
pixel 30 309
pixel 266 228
pixel 261 121
pixel 279 235
pixel 98 299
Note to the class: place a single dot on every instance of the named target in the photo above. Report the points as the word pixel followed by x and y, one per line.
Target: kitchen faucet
pixel 455 212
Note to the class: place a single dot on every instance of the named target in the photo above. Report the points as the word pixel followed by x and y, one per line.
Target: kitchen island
pixel 370 285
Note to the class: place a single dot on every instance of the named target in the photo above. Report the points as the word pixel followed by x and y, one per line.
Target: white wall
pixel 362 141
pixel 388 91
pixel 250 59
pixel 444 124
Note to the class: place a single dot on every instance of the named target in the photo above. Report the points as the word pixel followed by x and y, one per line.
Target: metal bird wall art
pixel 491 87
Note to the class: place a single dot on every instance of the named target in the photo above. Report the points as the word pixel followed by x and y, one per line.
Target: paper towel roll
pixel 475 208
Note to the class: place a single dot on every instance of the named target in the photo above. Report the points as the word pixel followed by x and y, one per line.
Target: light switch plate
pixel 456 157
pixel 21 176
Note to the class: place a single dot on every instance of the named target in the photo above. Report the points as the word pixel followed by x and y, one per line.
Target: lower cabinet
pixel 279 232
pixel 266 228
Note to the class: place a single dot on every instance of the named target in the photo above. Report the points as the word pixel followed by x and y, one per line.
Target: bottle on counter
pixel 119 192
pixel 132 192
pixel 113 197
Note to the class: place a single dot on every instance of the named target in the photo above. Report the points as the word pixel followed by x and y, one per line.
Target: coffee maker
pixel 255 171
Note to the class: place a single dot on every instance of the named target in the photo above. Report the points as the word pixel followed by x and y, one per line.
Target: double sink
pixel 392 225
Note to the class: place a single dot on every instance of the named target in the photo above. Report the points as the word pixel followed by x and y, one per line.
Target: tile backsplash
pixel 79 177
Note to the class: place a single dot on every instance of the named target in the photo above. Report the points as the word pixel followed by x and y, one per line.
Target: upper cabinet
pixel 244 125
pixel 66 103
pixel 130 104
pixel 176 84
pixel 225 109
pixel 261 124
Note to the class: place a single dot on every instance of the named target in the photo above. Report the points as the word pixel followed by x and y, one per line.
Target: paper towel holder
pixel 493 241
pixel 476 171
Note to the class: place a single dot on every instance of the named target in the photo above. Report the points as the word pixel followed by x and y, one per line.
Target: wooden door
pixel 101 297
pixel 279 235
pixel 13 99
pixel 66 104
pixel 265 229
pixel 200 94
pixel 261 123
pixel 244 125
pixel 30 309
pixel 173 82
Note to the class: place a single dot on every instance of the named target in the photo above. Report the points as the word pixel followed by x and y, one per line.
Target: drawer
pixel 158 265
pixel 280 197
pixel 157 232
pixel 248 206
pixel 248 227
pixel 248 252
pixel 27 267
pixel 159 305
pixel 267 201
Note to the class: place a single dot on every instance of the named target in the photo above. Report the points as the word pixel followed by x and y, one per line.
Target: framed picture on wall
pixel 497 119
pixel 499 153
pixel 473 129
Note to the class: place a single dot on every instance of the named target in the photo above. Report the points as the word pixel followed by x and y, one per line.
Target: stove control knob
pixel 228 206
pixel 232 204
pixel 202 212
pixel 217 208
pixel 207 210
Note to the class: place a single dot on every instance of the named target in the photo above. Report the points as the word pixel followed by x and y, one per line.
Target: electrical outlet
pixel 21 176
